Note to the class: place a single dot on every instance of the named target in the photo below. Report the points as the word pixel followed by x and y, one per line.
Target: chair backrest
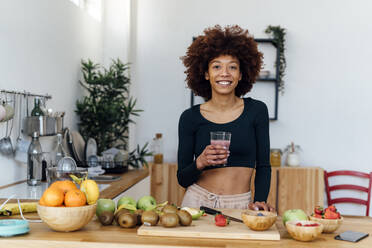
pixel 348 187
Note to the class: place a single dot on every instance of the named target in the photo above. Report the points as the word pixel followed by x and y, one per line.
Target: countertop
pixel 107 189
pixel 96 235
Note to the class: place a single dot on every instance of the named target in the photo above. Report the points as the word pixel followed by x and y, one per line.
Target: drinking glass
pixel 221 138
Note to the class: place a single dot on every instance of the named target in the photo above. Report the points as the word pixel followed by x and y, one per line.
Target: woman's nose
pixel 225 71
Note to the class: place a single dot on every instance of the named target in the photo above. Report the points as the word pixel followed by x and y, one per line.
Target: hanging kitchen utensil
pixel 6 147
pixel 22 144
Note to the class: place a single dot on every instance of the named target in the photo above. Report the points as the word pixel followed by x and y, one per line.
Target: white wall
pixel 326 104
pixel 41 45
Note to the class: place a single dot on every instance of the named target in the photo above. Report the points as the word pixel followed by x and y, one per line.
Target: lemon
pixel 91 190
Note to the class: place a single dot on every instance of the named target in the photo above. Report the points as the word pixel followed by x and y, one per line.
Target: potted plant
pixel 106 111
pixel 278 35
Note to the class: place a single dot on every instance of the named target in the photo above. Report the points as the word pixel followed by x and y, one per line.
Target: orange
pixel 42 202
pixel 53 197
pixel 75 198
pixel 65 185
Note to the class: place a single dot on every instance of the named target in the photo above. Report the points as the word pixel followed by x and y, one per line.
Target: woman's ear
pixel 240 77
pixel 206 74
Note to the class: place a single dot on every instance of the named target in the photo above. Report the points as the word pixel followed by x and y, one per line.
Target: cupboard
pixel 291 187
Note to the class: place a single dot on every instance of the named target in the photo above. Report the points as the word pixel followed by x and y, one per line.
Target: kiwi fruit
pixel 169 209
pixel 169 220
pixel 106 218
pixel 185 217
pixel 127 220
pixel 120 212
pixel 139 212
pixel 150 218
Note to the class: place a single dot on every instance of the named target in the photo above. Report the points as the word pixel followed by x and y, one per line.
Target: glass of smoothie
pixel 221 138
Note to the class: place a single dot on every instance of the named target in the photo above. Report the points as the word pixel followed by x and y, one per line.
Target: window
pixel 92 7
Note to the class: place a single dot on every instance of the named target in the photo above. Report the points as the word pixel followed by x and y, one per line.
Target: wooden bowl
pixel 329 225
pixel 304 233
pixel 258 223
pixel 66 219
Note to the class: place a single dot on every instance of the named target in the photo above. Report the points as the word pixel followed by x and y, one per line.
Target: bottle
pixel 58 151
pixel 36 111
pixel 158 149
pixel 34 164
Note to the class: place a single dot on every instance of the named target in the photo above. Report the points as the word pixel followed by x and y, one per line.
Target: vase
pixel 293 159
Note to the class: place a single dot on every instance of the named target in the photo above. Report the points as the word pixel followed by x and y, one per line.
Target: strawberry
pixel 221 220
pixel 329 214
pixel 318 216
pixel 298 224
pixel 332 208
pixel 318 210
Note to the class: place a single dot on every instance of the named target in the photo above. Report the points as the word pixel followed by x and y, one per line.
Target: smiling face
pixel 223 74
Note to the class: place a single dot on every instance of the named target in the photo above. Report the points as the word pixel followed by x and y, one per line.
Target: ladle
pixel 6 147
pixel 22 144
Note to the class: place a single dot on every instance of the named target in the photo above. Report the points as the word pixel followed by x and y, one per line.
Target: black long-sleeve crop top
pixel 250 144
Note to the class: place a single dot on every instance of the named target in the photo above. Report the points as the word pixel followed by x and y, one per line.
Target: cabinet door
pixel 271 199
pixel 300 187
pixel 164 184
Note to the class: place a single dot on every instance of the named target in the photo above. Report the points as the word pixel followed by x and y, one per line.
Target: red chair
pixel 348 187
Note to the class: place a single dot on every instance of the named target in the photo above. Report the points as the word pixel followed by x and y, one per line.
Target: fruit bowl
pixel 258 220
pixel 66 219
pixel 304 233
pixel 329 225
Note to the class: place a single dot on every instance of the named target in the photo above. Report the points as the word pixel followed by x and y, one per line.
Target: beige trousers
pixel 197 196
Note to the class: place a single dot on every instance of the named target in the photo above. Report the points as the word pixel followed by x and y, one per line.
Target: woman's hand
pixel 212 155
pixel 261 206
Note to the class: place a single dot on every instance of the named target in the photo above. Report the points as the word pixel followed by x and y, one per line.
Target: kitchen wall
pixel 41 46
pixel 326 105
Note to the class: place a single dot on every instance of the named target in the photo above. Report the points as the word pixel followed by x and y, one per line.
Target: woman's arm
pixel 263 167
pixel 187 172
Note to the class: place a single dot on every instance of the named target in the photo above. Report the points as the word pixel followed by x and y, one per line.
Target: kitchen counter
pixel 96 235
pixel 107 189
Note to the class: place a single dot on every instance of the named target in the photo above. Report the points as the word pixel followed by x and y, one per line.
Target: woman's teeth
pixel 224 82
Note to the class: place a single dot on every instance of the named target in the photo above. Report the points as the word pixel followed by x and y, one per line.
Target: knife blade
pixel 212 211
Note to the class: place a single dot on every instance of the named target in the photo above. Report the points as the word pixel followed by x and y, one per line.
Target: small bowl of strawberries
pixel 304 230
pixel 329 217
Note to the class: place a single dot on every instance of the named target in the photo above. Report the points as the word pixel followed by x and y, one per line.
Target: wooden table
pixel 96 235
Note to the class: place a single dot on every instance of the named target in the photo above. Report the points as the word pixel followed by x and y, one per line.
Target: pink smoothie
pixel 224 143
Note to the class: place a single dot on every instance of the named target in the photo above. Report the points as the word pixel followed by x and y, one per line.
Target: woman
pixel 221 66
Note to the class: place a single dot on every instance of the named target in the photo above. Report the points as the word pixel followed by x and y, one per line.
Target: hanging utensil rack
pixel 25 93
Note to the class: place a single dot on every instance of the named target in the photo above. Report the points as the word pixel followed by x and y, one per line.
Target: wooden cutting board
pixel 205 228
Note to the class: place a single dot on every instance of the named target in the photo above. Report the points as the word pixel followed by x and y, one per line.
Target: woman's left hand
pixel 261 206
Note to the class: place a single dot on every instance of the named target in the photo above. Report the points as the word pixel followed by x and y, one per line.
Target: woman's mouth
pixel 224 83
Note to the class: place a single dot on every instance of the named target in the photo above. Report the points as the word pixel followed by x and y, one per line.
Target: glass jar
pixel 158 149
pixel 275 157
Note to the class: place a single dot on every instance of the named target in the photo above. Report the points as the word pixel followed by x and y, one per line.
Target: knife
pixel 212 211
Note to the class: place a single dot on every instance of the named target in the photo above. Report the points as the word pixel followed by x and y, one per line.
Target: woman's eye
pixel 233 67
pixel 216 67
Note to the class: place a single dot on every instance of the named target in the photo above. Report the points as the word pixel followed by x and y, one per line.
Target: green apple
pixel 126 200
pixel 294 214
pixel 105 205
pixel 146 202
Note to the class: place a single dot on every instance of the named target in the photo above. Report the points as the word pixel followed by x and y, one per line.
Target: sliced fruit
pixel 195 213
